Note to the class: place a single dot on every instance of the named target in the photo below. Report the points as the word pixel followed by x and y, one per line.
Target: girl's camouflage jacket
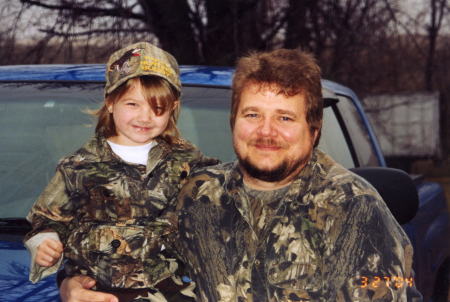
pixel 107 212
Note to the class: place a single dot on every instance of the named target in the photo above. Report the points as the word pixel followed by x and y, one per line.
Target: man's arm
pixel 350 249
pixel 196 242
pixel 369 257
pixel 78 289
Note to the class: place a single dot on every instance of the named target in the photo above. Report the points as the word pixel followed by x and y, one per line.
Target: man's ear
pixel 316 136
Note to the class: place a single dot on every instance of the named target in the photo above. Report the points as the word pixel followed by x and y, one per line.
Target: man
pixel 286 222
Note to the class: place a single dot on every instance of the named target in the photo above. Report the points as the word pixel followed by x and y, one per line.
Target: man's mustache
pixel 267 142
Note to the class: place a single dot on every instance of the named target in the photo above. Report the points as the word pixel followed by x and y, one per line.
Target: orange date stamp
pixel 388 281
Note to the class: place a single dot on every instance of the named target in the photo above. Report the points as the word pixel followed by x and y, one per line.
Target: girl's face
pixel 136 123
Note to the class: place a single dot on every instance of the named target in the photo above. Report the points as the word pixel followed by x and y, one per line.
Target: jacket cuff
pixel 38 272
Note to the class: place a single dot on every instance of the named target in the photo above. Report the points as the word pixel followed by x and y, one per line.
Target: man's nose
pixel 267 127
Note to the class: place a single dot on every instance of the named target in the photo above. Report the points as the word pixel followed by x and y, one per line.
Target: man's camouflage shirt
pixel 107 212
pixel 328 237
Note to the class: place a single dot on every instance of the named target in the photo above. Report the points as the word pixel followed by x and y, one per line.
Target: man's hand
pixel 77 289
pixel 49 252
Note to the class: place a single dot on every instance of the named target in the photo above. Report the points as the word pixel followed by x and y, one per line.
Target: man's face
pixel 271 137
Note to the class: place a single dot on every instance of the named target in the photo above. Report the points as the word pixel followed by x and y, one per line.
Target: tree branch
pixel 92 32
pixel 117 11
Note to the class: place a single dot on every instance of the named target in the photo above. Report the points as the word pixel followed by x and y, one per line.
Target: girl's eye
pixel 131 104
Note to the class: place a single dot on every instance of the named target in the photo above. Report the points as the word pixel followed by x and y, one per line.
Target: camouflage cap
pixel 137 60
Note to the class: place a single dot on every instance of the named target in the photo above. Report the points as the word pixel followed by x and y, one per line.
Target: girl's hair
pixel 160 95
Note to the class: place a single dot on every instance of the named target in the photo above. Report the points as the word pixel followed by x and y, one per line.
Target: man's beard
pixel 278 173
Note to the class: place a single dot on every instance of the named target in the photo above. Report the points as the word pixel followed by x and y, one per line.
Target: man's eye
pixel 251 115
pixel 286 118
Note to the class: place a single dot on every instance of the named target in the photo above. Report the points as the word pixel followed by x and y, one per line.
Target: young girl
pixel 104 206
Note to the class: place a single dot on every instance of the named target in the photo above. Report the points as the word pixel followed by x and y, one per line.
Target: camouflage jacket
pixel 330 237
pixel 107 212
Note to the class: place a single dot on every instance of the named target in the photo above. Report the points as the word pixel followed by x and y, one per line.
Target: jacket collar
pixel 99 147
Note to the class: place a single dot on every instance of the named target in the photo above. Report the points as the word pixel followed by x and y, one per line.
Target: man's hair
pixel 287 71
pixel 160 95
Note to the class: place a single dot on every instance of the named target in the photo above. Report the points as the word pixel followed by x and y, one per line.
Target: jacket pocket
pixel 117 256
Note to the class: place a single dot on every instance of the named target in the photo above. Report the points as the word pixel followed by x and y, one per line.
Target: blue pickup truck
pixel 42 118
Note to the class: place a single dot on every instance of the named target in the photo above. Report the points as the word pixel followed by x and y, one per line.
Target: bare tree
pixel 438 9
pixel 197 31
pixel 235 27
pixel 118 22
pixel 10 25
pixel 342 34
pixel 370 45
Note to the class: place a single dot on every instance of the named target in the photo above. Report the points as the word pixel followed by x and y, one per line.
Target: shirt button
pixel 115 243
pixel 257 263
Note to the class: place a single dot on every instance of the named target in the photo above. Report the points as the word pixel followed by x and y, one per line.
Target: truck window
pixel 333 141
pixel 358 133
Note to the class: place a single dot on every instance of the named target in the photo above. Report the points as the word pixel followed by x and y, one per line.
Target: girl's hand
pixel 49 252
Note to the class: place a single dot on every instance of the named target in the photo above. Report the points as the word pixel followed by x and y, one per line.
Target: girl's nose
pixel 145 113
